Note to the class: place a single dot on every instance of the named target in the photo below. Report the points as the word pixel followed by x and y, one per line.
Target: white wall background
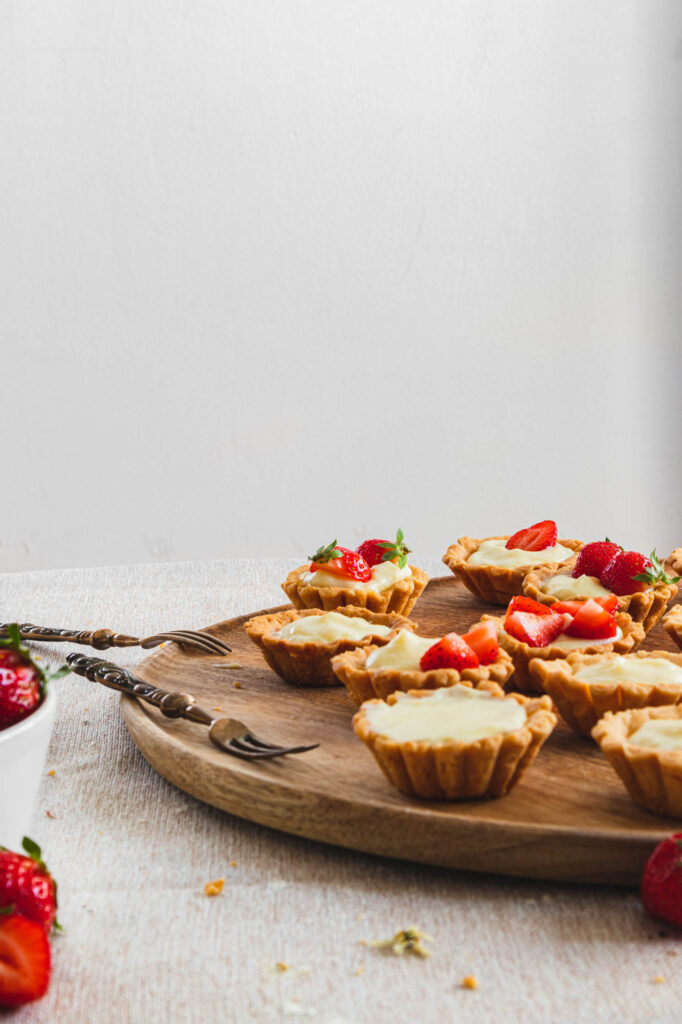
pixel 274 272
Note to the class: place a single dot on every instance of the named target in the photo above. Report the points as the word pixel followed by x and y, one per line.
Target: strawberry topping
pixel 482 639
pixel 609 603
pixel 22 683
pixel 376 551
pixel 662 881
pixel 527 604
pixel 451 651
pixel 24 961
pixel 341 562
pixel 593 558
pixel 535 630
pixel 592 622
pixel 535 538
pixel 629 572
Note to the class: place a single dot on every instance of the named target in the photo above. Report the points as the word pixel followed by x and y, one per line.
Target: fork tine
pixel 266 749
pixel 203 641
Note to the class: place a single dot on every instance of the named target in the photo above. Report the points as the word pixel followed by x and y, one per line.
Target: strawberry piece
pixel 341 562
pixel 662 881
pixel 27 886
pixel 22 683
pixel 629 572
pixel 482 639
pixel 535 538
pixel 527 604
pixel 609 603
pixel 451 651
pixel 592 622
pixel 24 961
pixel 534 630
pixel 593 558
pixel 376 551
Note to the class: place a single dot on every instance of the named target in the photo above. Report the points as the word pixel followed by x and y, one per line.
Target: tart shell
pixel 673 624
pixel 495 584
pixel 522 654
pixel 582 704
pixel 400 598
pixel 652 777
pixel 308 663
pixel 645 606
pixel 365 683
pixel 455 769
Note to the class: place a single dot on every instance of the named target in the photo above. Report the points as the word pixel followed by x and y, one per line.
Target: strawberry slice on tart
pixel 534 538
pixel 451 651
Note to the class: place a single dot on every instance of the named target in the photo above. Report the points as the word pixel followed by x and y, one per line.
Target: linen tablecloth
pixel 131 853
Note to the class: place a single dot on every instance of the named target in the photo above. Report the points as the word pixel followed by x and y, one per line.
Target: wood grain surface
pixel 569 819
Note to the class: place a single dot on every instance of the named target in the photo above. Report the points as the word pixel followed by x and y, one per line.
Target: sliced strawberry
pixel 592 622
pixel 451 651
pixel 609 603
pixel 527 604
pixel 24 961
pixel 341 562
pixel 593 558
pixel 535 538
pixel 534 630
pixel 482 639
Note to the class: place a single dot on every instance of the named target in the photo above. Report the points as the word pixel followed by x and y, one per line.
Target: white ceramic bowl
pixel 23 749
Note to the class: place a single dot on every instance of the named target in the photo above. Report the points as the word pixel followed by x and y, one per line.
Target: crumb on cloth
pixel 214 888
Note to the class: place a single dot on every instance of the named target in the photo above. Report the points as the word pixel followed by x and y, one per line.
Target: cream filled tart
pixel 494 568
pixel 644 747
pixel 584 687
pixel 299 645
pixel 456 743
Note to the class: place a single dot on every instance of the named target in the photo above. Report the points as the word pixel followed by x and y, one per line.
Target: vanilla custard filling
pixel 384 575
pixel 494 552
pixel 566 588
pixel 327 628
pixel 622 669
pixel 574 643
pixel 663 733
pixel 452 713
pixel 403 652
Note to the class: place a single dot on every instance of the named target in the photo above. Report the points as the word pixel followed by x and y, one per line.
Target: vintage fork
pixel 101 639
pixel 227 734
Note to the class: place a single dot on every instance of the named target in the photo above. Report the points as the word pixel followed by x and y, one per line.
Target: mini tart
pixel 365 683
pixel 399 598
pixel 582 704
pixel 495 584
pixel 453 769
pixel 522 654
pixel 673 624
pixel 651 775
pixel 310 663
pixel 673 563
pixel 645 606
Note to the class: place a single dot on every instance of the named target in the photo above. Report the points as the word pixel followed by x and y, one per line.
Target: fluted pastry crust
pixel 582 704
pixel 645 606
pixel 399 598
pixel 456 769
pixel 673 624
pixel 365 683
pixel 308 663
pixel 652 777
pixel 495 584
pixel 522 654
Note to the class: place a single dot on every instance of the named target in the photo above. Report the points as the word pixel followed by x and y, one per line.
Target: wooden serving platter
pixel 569 819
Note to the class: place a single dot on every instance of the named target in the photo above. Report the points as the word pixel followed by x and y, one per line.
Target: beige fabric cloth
pixel 143 943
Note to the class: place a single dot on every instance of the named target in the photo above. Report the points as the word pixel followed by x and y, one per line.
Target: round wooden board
pixel 569 819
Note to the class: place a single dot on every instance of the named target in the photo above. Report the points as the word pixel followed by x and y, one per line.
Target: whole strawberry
pixel 629 572
pixel 26 885
pixel 662 881
pixel 593 558
pixel 22 682
pixel 376 551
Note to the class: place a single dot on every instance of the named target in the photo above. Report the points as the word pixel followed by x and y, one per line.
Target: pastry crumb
pixel 232 664
pixel 409 939
pixel 52 772
pixel 470 982
pixel 233 863
pixel 362 942
pixel 214 888
pixel 672 952
pixel 237 685
pixel 360 970
pixel 217 709
pixel 659 979
pixel 281 966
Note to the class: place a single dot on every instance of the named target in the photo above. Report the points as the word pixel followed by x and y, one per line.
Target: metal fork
pixel 101 639
pixel 228 734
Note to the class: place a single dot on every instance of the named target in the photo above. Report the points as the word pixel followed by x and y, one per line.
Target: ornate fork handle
pixel 100 639
pixel 172 705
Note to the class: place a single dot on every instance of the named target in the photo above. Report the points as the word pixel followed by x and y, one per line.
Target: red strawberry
pixel 662 881
pixel 534 630
pixel 22 683
pixel 592 622
pixel 628 572
pixel 375 551
pixel 535 538
pixel 482 639
pixel 451 651
pixel 609 603
pixel 341 562
pixel 593 558
pixel 24 961
pixel 27 886
pixel 527 604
